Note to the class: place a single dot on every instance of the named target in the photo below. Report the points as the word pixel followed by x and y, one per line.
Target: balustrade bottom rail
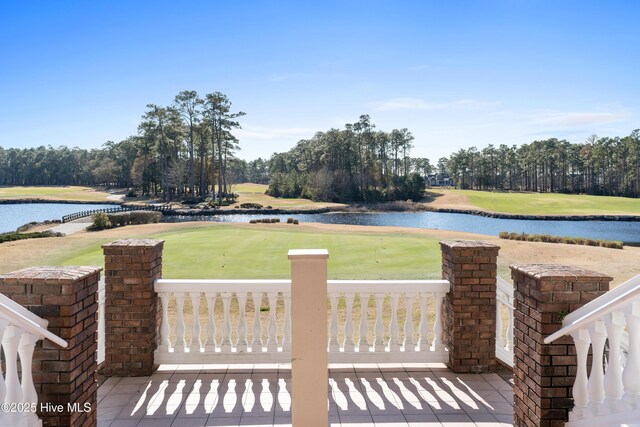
pixel 248 321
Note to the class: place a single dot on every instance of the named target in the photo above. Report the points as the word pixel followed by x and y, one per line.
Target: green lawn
pixel 84 194
pixel 547 203
pixel 227 251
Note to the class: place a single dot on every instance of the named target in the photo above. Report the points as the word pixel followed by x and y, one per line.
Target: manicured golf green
pixel 233 252
pixel 547 203
pixel 72 192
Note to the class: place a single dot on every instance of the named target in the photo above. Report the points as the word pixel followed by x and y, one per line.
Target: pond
pixel 625 231
pixel 14 215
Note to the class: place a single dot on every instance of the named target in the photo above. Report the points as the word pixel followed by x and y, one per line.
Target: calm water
pixel 14 215
pixel 609 230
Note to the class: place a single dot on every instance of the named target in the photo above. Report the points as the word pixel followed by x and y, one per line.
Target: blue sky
pixel 455 73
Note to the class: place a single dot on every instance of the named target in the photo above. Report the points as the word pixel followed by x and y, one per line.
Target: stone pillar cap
pixel 308 254
pixel 68 274
pixel 468 244
pixel 556 271
pixel 134 243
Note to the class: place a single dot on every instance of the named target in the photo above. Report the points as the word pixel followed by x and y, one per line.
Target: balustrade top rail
pixel 614 300
pixel 17 315
pixel 78 215
pixel 345 286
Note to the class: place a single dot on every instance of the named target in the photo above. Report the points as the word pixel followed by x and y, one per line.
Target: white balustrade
pixel 101 321
pixel 231 336
pixel 504 330
pixel 607 394
pixel 20 330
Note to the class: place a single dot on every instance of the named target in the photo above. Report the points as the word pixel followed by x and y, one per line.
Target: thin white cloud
pixel 260 132
pixel 408 103
pixel 577 118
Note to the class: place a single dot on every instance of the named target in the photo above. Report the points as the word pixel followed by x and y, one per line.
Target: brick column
pixel 469 309
pixel 544 373
pixel 132 316
pixel 67 298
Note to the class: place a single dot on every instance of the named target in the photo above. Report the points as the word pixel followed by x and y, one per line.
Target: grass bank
pixel 536 203
pixel 71 193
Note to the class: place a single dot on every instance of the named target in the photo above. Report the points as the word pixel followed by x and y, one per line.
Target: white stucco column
pixel 309 359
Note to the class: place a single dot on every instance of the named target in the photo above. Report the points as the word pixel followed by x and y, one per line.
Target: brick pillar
pixel 67 298
pixel 544 373
pixel 469 309
pixel 132 316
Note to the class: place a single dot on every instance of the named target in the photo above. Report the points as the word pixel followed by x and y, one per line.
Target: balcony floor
pixel 258 395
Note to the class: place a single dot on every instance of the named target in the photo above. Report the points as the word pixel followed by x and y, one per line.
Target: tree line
pixel 599 166
pixel 357 163
pixel 186 149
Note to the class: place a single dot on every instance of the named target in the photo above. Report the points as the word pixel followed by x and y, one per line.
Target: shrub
pixel 10 237
pixel 103 220
pixel 557 239
pixel 251 205
pixel 132 193
pixel 100 221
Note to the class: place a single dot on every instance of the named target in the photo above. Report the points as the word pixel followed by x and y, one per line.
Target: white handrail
pixel 597 309
pixel 20 316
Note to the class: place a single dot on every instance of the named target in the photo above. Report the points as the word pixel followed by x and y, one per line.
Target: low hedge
pixel 251 206
pixel 546 238
pixel 102 220
pixel 10 237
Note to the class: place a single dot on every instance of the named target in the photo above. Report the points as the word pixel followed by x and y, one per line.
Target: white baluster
pixel 256 344
pixel 437 325
pixel 378 342
pixel 333 329
pixel 598 335
pixel 165 343
pixel 286 333
pixel 3 387
pixel 349 345
pixel 196 342
pixel 499 325
pixel 272 343
pixel 181 343
pixel 210 343
pixel 10 342
pixel 29 395
pixel 613 376
pixel 363 341
pixel 631 371
pixel 510 324
pixel 424 323
pixel 394 330
pixel 409 344
pixel 580 391
pixel 241 347
pixel 225 344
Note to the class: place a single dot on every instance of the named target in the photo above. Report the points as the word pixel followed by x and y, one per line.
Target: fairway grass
pixel 234 252
pixel 71 193
pixel 537 203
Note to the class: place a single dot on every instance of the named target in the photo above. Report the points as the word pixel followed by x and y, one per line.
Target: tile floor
pixel 258 395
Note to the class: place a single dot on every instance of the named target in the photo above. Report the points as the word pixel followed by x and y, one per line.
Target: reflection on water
pixel 626 231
